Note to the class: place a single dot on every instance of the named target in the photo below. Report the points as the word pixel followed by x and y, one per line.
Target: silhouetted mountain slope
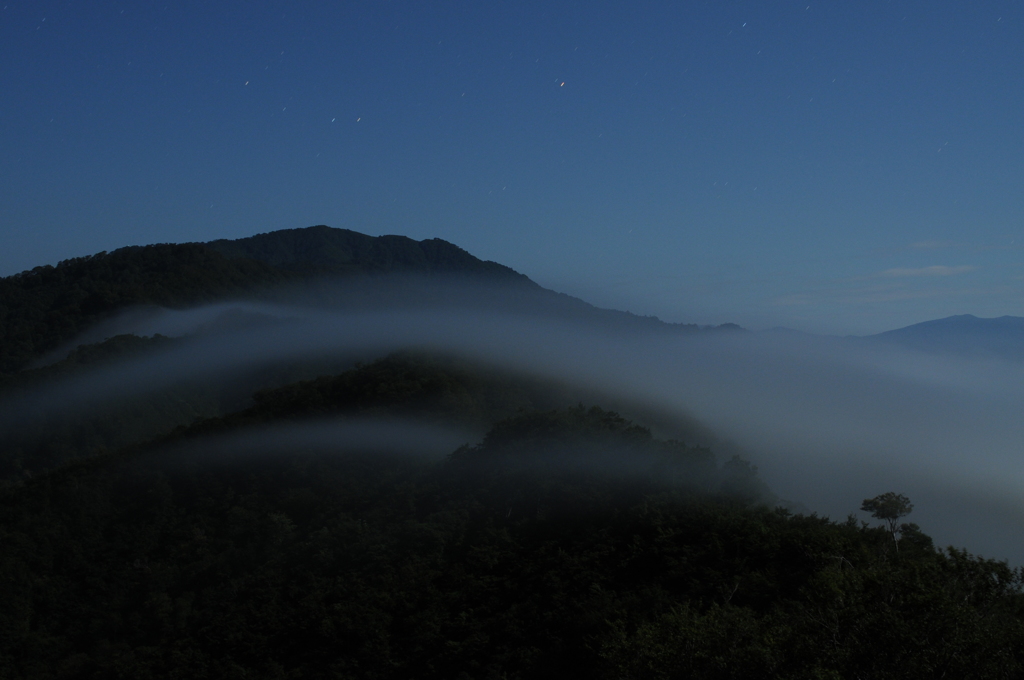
pixel 963 334
pixel 49 306
pixel 322 249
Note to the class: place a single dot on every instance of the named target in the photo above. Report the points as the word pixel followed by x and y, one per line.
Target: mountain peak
pixel 327 250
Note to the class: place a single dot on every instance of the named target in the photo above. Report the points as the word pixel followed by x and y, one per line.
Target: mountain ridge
pixel 965 334
pixel 959 334
pixel 45 308
pixel 328 250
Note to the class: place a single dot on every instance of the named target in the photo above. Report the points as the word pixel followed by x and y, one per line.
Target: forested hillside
pixel 567 543
pixel 442 388
pixel 47 307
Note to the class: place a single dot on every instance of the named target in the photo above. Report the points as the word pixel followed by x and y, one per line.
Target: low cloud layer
pixel 828 422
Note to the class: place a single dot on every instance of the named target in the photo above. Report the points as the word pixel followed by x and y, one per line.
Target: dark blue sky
pixel 842 167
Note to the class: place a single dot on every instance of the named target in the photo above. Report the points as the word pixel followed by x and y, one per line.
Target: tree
pixel 889 507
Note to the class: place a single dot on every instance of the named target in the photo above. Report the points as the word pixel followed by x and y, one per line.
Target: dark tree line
pixel 566 543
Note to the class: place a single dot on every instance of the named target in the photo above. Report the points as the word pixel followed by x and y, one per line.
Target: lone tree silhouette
pixel 889 507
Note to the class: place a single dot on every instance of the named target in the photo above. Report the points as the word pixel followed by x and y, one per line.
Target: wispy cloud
pixel 934 270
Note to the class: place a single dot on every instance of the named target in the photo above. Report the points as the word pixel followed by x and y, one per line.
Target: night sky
pixel 844 167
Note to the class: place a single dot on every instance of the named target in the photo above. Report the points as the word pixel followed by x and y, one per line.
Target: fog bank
pixel 828 423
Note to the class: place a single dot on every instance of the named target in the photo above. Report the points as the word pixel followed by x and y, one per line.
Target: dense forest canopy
pixel 624 557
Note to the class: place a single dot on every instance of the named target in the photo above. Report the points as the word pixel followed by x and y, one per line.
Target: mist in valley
pixel 828 422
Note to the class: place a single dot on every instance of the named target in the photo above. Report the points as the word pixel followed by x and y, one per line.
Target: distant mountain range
pixel 961 334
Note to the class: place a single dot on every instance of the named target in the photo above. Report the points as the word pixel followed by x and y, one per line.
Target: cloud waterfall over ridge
pixel 828 423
